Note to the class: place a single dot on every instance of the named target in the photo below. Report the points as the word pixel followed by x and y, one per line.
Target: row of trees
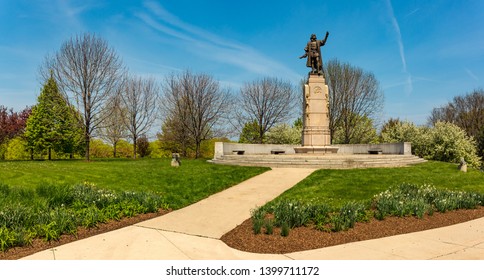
pixel 89 93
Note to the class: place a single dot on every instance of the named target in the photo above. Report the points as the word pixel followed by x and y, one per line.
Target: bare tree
pixel 467 112
pixel 354 97
pixel 195 103
pixel 87 71
pixel 139 99
pixel 267 102
pixel 113 128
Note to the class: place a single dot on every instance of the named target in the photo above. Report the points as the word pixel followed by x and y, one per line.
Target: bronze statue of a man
pixel 313 53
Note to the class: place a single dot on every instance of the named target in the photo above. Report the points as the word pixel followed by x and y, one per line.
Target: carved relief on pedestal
pixel 318 90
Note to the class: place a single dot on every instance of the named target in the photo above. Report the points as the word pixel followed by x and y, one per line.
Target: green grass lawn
pixel 44 199
pixel 193 181
pixel 336 187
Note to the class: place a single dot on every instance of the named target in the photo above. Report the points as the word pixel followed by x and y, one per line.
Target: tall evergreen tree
pixel 52 124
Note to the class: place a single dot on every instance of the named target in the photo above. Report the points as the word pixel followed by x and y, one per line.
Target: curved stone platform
pixel 327 161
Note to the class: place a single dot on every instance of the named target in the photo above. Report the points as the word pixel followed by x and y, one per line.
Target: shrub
pixel 450 143
pixel 284 134
pixel 17 149
pixel 443 142
pixel 99 149
pixel 143 146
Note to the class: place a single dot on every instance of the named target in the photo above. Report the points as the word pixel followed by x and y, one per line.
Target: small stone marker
pixel 175 160
pixel 463 165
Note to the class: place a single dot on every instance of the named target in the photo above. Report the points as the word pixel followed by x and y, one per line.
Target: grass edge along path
pixel 51 208
pixel 334 200
pixel 336 187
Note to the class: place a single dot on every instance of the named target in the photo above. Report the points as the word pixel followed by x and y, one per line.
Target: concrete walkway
pixel 193 233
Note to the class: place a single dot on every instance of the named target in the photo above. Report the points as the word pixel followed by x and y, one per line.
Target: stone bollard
pixel 175 160
pixel 463 165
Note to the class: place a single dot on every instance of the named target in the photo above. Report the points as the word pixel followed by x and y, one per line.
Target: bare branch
pixel 268 102
pixel 87 71
pixel 195 104
pixel 139 99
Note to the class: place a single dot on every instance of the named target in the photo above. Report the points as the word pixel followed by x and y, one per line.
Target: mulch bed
pixel 307 238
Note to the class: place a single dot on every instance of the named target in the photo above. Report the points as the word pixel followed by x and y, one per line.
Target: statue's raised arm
pixel 313 54
pixel 325 38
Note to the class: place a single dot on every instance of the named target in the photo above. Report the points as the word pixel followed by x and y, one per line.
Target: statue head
pixel 313 37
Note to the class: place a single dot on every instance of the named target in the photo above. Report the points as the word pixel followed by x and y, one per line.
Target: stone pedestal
pixel 316 136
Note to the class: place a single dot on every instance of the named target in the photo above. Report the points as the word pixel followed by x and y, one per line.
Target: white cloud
pixel 471 74
pixel 396 29
pixel 412 12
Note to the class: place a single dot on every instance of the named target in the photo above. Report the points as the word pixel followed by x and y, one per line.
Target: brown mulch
pixel 307 238
pixel 41 245
pixel 299 239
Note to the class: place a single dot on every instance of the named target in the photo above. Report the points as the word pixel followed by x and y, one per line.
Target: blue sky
pixel 423 53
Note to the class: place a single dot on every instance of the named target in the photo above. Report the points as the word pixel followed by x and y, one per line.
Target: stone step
pixel 323 162
pixel 310 159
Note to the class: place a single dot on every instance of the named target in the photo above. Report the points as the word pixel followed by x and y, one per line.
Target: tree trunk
pixel 87 141
pixel 197 150
pixel 50 153
pixel 134 147
pixel 114 149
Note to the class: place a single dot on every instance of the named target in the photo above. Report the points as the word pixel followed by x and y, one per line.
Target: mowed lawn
pixel 191 182
pixel 336 187
pixel 197 179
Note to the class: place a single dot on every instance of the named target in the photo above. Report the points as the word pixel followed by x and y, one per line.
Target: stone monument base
pixel 316 150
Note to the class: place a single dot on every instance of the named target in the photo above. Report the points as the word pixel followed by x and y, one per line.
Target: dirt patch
pixel 307 238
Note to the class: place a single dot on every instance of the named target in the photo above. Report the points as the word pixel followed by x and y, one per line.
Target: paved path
pixel 193 233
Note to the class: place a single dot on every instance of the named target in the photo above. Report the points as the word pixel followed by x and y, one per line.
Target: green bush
pixel 443 142
pixel 450 143
pixel 16 149
pixel 284 134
